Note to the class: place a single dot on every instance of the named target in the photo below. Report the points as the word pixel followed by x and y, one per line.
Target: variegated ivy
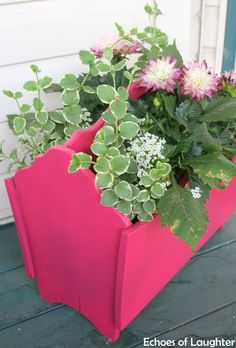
pixel 116 168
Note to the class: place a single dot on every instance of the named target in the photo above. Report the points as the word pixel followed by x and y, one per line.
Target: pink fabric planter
pixel 91 257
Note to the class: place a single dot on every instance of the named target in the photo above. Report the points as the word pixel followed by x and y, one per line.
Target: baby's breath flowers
pixel 86 118
pixel 146 149
pixel 161 74
pixel 198 81
pixel 118 45
pixel 196 192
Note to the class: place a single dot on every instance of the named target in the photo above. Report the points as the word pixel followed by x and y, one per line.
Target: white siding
pixel 51 32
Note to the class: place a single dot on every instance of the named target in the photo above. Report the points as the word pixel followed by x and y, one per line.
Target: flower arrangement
pixel 160 153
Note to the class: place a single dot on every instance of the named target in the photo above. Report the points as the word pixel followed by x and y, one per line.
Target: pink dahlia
pixel 228 83
pixel 198 81
pixel 119 46
pixel 160 74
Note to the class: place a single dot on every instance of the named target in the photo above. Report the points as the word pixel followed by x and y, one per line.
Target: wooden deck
pixel 199 302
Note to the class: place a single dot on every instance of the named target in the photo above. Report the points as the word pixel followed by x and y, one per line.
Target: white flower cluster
pixel 196 192
pixel 85 118
pixel 146 149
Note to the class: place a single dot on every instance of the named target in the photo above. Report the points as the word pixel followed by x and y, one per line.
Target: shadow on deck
pixel 199 302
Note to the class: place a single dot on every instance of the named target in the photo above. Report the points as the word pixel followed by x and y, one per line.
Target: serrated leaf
pixel 128 129
pixel 201 135
pixel 185 215
pixel 19 124
pixel 214 166
pixel 223 109
pixel 72 113
pixel 187 114
pixel 109 198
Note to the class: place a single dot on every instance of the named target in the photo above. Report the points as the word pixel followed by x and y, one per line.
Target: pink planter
pixel 91 257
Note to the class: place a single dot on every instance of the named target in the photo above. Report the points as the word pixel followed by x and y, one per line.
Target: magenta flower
pixel 119 46
pixel 198 81
pixel 160 74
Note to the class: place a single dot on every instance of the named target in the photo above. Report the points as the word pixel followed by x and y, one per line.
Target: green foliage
pixel 221 109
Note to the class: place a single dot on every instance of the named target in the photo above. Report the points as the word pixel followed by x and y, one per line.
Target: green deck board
pixel 207 282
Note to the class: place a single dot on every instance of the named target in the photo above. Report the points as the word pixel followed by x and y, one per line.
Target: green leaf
pixel 13 154
pixel 123 93
pixel 124 207
pixel 173 52
pixel 25 108
pixel 69 81
pixel 106 93
pixel 149 206
pixel 35 68
pixel 49 126
pixel 89 90
pixel 102 165
pixel 213 166
pixel 135 191
pixel 170 103
pixel 18 95
pixel 99 149
pixel 118 108
pixel 107 135
pixel 157 190
pixel 163 168
pixel 128 75
pixel 8 94
pixel 30 86
pixel 86 57
pixel 123 190
pixel 187 114
pixel 154 174
pixel 57 116
pixel 195 180
pixel 120 65
pixel 38 104
pixel 120 164
pixel 128 129
pixel 130 118
pixel 146 180
pixel 107 53
pixel 45 82
pixel 113 151
pixel 79 160
pixel 72 113
pixel 41 117
pixel 19 124
pixel 70 130
pixel 143 196
pixel 109 117
pixel 224 109
pixel 148 9
pixel 145 216
pixel 109 198
pixel 185 215
pixel 120 29
pixel 104 180
pixel 102 67
pixel 133 168
pixel 69 97
pixel 202 135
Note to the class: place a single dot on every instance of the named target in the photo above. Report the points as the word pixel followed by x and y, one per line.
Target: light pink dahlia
pixel 160 74
pixel 119 46
pixel 198 81
pixel 230 77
